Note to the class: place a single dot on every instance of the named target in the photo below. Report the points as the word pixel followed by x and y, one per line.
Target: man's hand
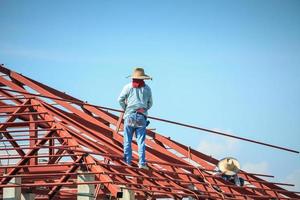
pixel 141 110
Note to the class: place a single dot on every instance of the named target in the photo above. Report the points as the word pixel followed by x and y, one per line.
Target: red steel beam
pixel 89 126
pixel 25 159
pixel 89 159
pixel 65 177
pixel 10 119
pixel 172 122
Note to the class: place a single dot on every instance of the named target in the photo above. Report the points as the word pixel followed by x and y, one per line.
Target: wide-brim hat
pixel 139 73
pixel 229 166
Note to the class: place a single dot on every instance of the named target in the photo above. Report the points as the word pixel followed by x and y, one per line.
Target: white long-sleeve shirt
pixel 132 99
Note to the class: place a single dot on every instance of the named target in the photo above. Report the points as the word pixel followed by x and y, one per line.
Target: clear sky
pixel 227 65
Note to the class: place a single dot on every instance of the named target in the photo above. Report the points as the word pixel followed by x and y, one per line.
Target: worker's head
pixel 139 73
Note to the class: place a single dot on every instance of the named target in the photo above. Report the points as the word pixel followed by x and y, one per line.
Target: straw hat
pixel 139 73
pixel 229 166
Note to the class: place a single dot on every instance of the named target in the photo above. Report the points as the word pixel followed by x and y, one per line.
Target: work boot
pixel 144 167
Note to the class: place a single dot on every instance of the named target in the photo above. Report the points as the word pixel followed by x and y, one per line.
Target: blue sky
pixel 226 65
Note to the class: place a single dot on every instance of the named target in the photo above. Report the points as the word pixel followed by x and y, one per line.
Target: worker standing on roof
pixel 136 100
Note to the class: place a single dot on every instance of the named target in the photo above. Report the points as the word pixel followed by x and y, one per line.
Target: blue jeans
pixel 135 122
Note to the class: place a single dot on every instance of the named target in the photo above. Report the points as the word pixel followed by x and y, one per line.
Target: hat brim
pixel 222 167
pixel 145 77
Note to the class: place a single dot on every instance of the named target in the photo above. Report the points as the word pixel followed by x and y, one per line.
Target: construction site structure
pixel 55 146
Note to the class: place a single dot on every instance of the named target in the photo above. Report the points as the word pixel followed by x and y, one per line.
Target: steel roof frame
pixel 74 137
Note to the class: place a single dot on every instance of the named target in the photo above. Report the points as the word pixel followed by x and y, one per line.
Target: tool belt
pixel 141 112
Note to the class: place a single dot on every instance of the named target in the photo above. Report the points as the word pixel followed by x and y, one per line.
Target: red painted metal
pixel 84 105
pixel 49 136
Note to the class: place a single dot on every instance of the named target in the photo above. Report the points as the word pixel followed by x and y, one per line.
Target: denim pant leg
pixel 128 133
pixel 140 139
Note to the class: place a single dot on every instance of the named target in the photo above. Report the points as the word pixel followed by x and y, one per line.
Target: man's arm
pixel 150 101
pixel 122 98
